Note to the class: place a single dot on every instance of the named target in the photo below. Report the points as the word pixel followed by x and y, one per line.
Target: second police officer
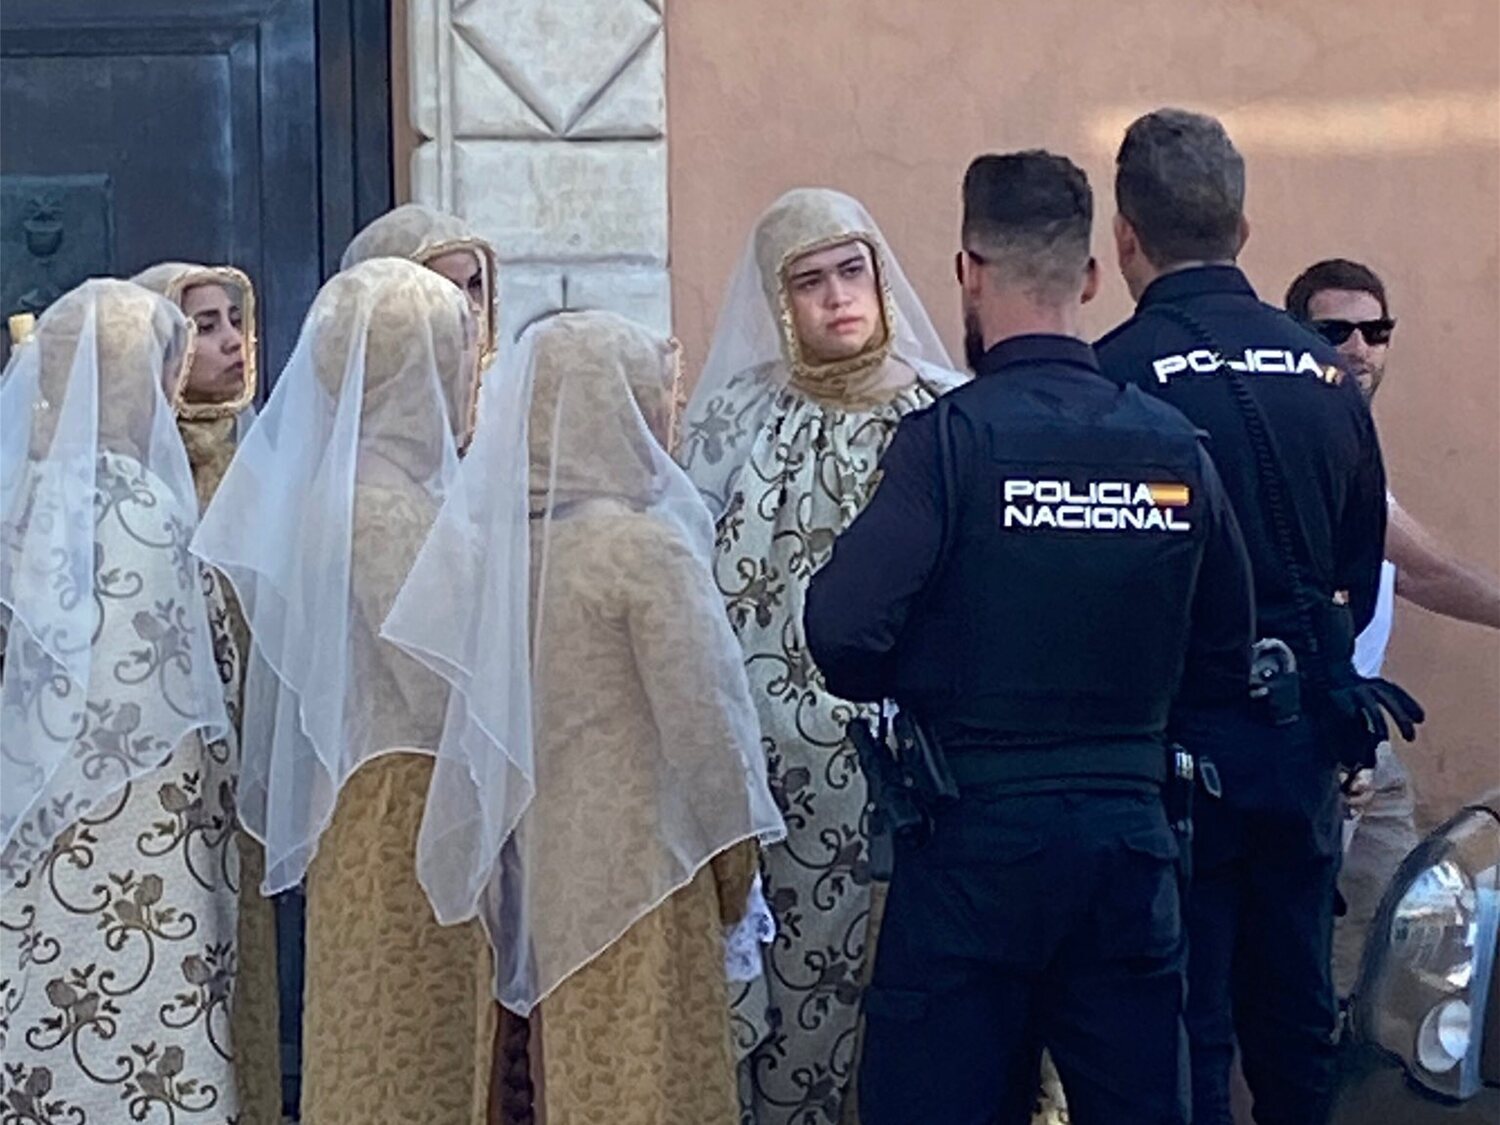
pixel 1296 447
pixel 1047 562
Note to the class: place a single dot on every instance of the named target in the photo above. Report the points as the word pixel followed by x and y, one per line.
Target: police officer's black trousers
pixel 1260 926
pixel 1046 919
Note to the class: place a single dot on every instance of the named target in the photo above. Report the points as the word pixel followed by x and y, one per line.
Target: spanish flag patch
pixel 1170 495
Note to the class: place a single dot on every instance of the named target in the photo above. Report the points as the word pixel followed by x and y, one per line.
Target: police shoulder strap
pixel 1281 516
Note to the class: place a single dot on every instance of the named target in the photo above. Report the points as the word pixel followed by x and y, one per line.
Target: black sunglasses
pixel 1375 332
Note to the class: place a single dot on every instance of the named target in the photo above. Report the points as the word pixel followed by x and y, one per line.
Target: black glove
pixel 1368 701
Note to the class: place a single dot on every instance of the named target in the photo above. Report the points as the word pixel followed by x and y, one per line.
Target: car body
pixel 1423 1040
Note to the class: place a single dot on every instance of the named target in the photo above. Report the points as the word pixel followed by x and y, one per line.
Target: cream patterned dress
pixel 809 470
pixel 785 446
pixel 118 942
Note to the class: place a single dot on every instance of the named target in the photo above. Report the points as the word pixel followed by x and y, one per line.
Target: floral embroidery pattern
pixel 807 472
pixel 118 953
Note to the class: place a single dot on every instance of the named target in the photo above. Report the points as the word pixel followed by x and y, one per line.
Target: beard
pixel 1368 377
pixel 974 348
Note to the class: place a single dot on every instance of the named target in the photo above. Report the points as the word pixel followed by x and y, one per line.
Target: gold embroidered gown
pixel 356 445
pixel 649 790
pixel 399 1020
pixel 399 1017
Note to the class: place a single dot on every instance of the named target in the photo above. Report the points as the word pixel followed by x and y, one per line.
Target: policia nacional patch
pixel 1028 504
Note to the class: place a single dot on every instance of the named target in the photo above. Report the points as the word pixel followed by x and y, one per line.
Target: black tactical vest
pixel 1062 604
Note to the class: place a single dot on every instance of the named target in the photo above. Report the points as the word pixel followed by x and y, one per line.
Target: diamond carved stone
pixel 559 56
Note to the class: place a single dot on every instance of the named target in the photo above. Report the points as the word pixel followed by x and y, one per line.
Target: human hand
pixel 1359 790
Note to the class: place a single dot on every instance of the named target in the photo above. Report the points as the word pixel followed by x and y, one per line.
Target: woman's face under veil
pixel 835 299
pixel 218 371
pixel 464 269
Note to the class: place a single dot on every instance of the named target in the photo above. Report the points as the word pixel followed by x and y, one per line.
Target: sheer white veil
pixel 108 658
pixel 369 409
pixel 463 612
pixel 754 348
pixel 615 825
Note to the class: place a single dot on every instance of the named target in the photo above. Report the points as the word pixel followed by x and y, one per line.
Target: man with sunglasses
pixel 1345 303
pixel 1297 450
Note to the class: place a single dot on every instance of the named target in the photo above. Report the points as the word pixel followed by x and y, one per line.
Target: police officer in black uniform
pixel 1047 560
pixel 1295 445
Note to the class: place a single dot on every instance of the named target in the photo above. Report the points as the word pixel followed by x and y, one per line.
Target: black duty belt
pixel 1134 764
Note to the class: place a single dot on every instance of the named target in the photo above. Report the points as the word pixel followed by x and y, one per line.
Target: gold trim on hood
pixel 830 380
pixel 174 291
pixel 488 266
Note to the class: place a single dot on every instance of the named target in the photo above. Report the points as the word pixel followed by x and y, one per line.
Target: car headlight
pixel 1425 981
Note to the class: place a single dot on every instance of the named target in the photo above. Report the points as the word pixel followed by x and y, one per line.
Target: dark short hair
pixel 1030 214
pixel 1180 183
pixel 1334 273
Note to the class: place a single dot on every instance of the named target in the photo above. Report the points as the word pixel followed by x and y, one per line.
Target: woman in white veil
pixel 117 772
pixel 821 347
pixel 317 524
pixel 606 911
pixel 445 244
pixel 214 406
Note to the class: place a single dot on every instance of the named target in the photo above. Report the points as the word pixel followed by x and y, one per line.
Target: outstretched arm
pixel 1430 576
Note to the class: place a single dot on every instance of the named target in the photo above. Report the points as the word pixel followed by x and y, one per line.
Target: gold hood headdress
pixel 172 280
pixel 421 234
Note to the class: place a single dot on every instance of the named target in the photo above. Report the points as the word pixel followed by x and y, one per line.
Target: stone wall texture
pixel 543 122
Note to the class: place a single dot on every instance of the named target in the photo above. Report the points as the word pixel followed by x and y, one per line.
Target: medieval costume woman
pixel 317 523
pixel 607 909
pixel 118 862
pixel 819 350
pixel 213 405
